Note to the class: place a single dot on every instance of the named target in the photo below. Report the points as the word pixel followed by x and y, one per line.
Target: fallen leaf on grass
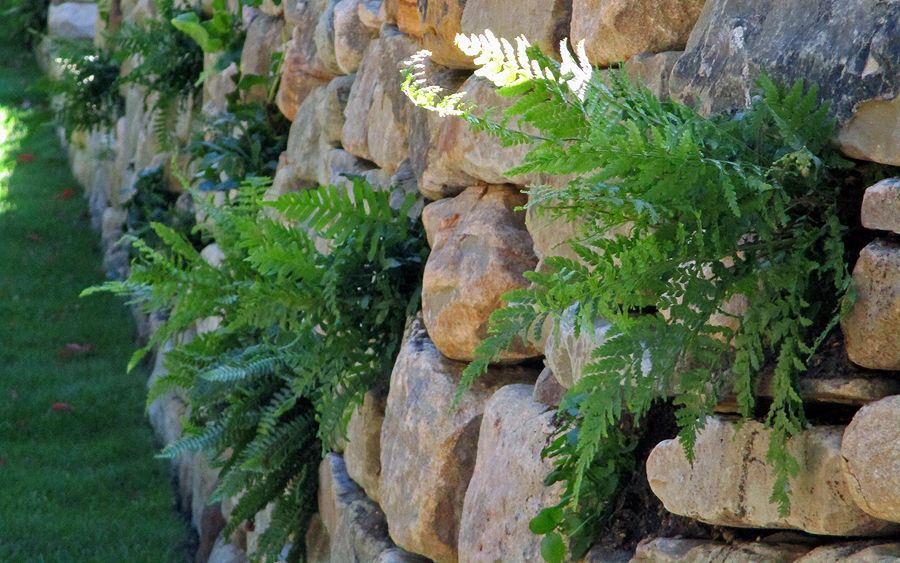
pixel 25 157
pixel 67 193
pixel 34 237
pixel 2 462
pixel 62 407
pixel 74 349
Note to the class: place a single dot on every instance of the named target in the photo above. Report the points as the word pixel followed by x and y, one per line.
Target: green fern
pixel 679 213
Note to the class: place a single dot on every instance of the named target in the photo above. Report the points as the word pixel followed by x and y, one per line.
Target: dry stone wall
pixel 419 480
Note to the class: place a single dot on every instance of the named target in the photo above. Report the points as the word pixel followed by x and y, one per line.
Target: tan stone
pixel 881 205
pixel 378 113
pixel 479 251
pixel 871 451
pixel 567 353
pixel 854 552
pixel 428 448
pixel 666 550
pixel 318 544
pixel 729 482
pixel 615 30
pixel 302 70
pixel 507 486
pixel 405 15
pixel 370 14
pixel 362 453
pixel 441 22
pixel 873 133
pixel 872 328
pixel 543 23
pixel 264 37
pixel 351 36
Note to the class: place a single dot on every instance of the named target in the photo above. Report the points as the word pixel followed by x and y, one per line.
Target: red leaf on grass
pixel 61 407
pixel 67 193
pixel 34 237
pixel 2 462
pixel 74 349
pixel 25 157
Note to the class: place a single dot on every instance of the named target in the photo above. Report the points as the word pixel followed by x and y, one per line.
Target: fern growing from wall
pixel 312 309
pixel 678 216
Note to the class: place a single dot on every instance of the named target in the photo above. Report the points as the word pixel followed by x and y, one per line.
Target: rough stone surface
pixel 881 205
pixel 428 448
pixel 652 70
pixel 362 453
pixel 854 552
pixel 857 68
pixel 440 21
pixel 507 488
pixel 543 23
pixel 302 70
pixel 318 544
pixel 264 37
pixel 371 14
pixel 324 39
pixel 378 113
pixel 871 451
pixel 547 389
pixel 351 36
pixel 397 555
pixel 730 482
pixel 565 353
pixel 72 20
pixel 479 251
pixel 355 525
pixel 872 327
pixel 666 550
pixel 615 30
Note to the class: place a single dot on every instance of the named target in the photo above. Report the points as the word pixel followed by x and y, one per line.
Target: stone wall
pixel 418 480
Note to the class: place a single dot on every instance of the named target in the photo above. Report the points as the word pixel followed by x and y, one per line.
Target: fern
pixel 679 213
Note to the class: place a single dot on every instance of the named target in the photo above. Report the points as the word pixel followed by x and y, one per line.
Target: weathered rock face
pixel 362 453
pixel 666 550
pixel 857 69
pixel 543 23
pixel 566 354
pixel 428 449
pixel 871 451
pixel 853 552
pixel 441 20
pixel 351 36
pixel 302 70
pixel 615 30
pixel 404 14
pixel 872 326
pixel 378 113
pixel 729 482
pixel 881 206
pixel 479 250
pixel 507 488
pixel 264 37
pixel 72 20
pixel 547 389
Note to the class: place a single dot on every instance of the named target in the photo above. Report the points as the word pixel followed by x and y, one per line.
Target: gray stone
pixel 881 206
pixel 324 38
pixel 428 448
pixel 871 452
pixel 547 389
pixel 507 487
pixel 615 30
pixel 72 20
pixel 479 251
pixel 225 552
pixel 567 351
pixel 872 327
pixel 666 550
pixel 397 555
pixel 729 481
pixel 857 68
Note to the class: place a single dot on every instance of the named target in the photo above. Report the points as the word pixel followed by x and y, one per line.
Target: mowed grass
pixel 78 477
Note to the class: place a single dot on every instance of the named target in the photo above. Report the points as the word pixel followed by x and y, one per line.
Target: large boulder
pixel 729 481
pixel 378 113
pixel 507 486
pixel 616 30
pixel 881 206
pixel 479 251
pixel 857 68
pixel 428 447
pixel 72 20
pixel 871 451
pixel 872 326
pixel 543 23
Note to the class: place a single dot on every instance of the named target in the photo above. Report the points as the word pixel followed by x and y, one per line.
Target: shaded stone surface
pixel 672 550
pixel 871 451
pixel 428 448
pixel 479 251
pixel 854 552
pixel 351 36
pixel 857 68
pixel 872 327
pixel 547 389
pixel 567 353
pixel 729 483
pixel 264 37
pixel 507 487
pixel 362 453
pixel 881 205
pixel 72 20
pixel 615 30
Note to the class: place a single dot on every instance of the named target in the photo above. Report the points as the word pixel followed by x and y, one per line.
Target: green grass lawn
pixel 78 480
